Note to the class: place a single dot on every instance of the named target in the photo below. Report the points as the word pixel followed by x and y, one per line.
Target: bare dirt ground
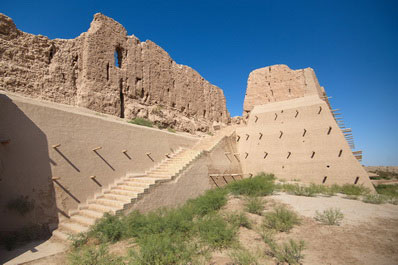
pixel 367 235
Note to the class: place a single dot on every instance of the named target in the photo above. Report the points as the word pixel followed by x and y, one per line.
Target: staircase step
pixel 60 235
pixel 91 213
pixel 108 202
pixel 102 208
pixel 73 228
pixel 138 184
pixel 84 220
pixel 124 186
pixel 116 190
pixel 146 180
pixel 133 184
pixel 117 197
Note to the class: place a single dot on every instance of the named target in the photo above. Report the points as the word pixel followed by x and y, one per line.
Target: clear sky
pixel 351 45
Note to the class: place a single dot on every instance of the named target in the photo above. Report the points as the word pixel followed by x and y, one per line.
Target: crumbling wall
pixel 279 83
pixel 107 71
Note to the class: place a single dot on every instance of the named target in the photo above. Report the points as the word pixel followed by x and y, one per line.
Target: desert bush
pixel 281 219
pixel 242 257
pixel 109 228
pixel 21 205
pixel 260 185
pixel 93 255
pixel 354 190
pixel 375 198
pixel 163 248
pixel 78 240
pixel 238 220
pixel 142 122
pixel 209 202
pixel 332 216
pixel 389 190
pixel 254 205
pixel 385 174
pixel 215 232
pixel 290 253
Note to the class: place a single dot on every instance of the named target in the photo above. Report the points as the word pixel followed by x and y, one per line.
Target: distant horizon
pixel 350 46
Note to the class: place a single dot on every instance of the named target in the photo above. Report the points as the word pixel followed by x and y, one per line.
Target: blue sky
pixel 351 45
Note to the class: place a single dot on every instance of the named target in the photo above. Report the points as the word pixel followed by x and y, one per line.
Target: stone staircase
pixel 129 189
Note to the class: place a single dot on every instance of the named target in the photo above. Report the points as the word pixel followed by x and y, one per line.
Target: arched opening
pixel 118 57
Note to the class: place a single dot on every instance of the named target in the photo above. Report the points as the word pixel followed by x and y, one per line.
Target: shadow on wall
pixel 27 196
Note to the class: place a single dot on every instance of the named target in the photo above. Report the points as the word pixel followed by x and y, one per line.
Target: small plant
pixel 332 216
pixel 243 257
pixel 163 248
pixel 290 253
pixel 92 255
pixel 211 201
pixel 142 122
pixel 260 185
pixel 281 219
pixel 355 190
pixel 20 205
pixel 108 229
pixel 389 190
pixel 375 198
pixel 171 130
pixel 238 220
pixel 254 205
pixel 215 232
pixel 78 240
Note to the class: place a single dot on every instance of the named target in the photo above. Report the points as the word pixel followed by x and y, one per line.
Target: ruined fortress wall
pixel 279 83
pixel 142 82
pixel 29 160
pixel 298 139
pixel 194 181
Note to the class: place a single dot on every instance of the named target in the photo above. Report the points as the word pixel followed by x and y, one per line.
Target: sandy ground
pixel 368 234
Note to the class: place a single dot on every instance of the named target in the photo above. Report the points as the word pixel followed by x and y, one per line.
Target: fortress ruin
pixel 67 149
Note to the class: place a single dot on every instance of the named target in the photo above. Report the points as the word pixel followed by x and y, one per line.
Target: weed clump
pixel 238 220
pixel 330 216
pixel 243 257
pixel 354 190
pixel 108 229
pixel 142 122
pixel 281 219
pixel 290 252
pixel 375 198
pixel 260 185
pixel 254 205
pixel 93 255
pixel 211 201
pixel 215 232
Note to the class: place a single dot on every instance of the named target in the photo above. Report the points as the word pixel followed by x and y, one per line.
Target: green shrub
pixel 389 190
pixel 163 248
pixel 215 232
pixel 375 198
pixel 330 216
pixel 142 122
pixel 385 175
pixel 21 205
pixel 238 220
pixel 281 219
pixel 78 240
pixel 172 221
pixel 243 257
pixel 355 190
pixel 211 201
pixel 260 185
pixel 108 229
pixel 290 253
pixel 93 256
pixel 254 205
